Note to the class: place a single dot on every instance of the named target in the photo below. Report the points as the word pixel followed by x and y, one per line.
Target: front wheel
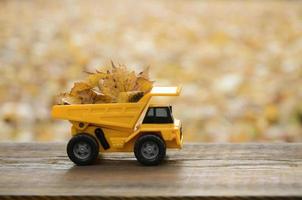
pixel 150 150
pixel 83 149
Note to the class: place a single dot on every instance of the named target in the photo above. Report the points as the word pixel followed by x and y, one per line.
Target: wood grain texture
pixel 199 170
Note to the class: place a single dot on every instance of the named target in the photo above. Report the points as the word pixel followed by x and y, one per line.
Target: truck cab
pixel 159 119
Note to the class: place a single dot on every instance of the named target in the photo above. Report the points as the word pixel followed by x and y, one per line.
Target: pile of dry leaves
pixel 118 85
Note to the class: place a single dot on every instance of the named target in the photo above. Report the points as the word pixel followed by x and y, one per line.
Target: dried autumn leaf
pixel 69 100
pixel 119 77
pixel 123 97
pixel 116 85
pixel 65 98
pixel 102 99
pixel 59 98
pixel 130 81
pixel 135 96
pixel 145 73
pixel 132 96
pixel 108 87
pixel 87 96
pixel 94 78
pixel 143 85
pixel 78 87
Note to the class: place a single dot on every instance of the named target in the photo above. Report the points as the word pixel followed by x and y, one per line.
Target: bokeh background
pixel 240 62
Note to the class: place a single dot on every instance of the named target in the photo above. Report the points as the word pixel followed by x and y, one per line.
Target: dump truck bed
pixel 122 115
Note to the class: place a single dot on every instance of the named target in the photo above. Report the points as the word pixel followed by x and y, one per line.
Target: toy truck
pixel 140 127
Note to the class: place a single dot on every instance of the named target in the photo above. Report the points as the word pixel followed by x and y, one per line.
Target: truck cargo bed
pixel 123 115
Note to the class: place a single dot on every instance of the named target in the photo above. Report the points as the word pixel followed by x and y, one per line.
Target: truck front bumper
pixel 181 136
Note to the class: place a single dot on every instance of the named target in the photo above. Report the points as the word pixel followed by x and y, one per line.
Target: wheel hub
pixel 82 150
pixel 149 150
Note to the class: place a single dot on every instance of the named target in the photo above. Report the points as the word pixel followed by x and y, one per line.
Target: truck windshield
pixel 158 115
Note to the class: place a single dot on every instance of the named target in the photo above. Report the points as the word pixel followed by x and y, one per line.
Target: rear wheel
pixel 149 150
pixel 83 149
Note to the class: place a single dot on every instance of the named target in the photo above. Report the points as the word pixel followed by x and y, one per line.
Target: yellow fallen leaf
pixel 132 96
pixel 145 73
pixel 94 78
pixel 116 85
pixel 130 81
pixel 65 98
pixel 87 96
pixel 79 86
pixel 143 85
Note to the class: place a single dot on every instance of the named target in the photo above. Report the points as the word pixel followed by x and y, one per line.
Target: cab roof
pixel 165 91
pixel 153 105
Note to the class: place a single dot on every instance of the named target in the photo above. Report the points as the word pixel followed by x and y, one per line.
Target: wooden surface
pixel 216 170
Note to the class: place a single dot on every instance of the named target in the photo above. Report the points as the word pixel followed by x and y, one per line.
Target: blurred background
pixel 240 62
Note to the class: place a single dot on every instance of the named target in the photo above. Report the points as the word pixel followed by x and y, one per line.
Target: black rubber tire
pixel 89 140
pixel 161 147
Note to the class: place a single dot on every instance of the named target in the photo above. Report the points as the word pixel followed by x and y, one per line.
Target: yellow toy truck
pixel 145 128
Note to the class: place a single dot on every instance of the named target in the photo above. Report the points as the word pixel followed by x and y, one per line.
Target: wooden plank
pixel 216 170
